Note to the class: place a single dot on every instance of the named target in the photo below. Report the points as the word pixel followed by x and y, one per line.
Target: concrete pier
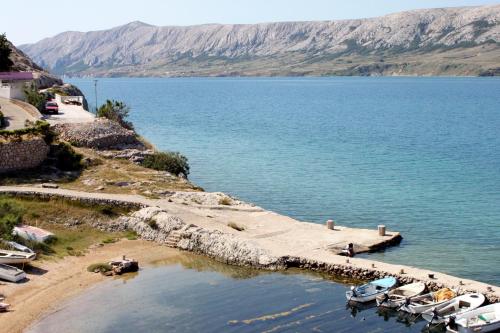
pixel 281 240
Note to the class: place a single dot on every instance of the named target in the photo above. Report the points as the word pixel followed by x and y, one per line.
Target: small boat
pixel 397 297
pixel 19 247
pixel 419 304
pixel 32 233
pixel 483 319
pixel 368 292
pixel 453 307
pixel 11 274
pixel 4 307
pixel 15 257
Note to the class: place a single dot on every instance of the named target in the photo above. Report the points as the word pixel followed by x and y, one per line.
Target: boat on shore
pixel 15 257
pixel 18 247
pixel 369 291
pixel 419 304
pixel 397 297
pixel 10 273
pixel 483 319
pixel 453 307
pixel 4 306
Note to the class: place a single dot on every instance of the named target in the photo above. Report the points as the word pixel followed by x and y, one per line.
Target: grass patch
pixel 131 235
pixel 52 215
pixel 235 226
pixel 110 240
pixel 99 267
pixel 225 201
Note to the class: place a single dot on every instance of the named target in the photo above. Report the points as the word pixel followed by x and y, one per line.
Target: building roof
pixel 16 76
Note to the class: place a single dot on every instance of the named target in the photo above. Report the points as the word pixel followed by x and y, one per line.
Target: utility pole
pixel 95 93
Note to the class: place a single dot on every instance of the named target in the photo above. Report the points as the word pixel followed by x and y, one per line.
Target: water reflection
pixel 190 293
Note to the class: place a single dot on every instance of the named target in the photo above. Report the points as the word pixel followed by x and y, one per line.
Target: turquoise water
pixel 198 295
pixel 420 155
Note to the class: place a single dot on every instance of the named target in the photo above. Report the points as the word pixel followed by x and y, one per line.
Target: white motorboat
pixel 483 319
pixel 368 292
pixel 15 257
pixel 453 307
pixel 397 297
pixel 11 274
pixel 19 247
pixel 421 303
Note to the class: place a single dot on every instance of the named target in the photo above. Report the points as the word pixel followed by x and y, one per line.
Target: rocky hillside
pixel 450 41
pixel 23 63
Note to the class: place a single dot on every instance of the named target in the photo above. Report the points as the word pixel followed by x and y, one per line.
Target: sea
pixel 419 155
pixel 190 293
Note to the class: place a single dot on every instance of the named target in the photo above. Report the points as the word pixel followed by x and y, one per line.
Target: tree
pixel 117 111
pixel 5 51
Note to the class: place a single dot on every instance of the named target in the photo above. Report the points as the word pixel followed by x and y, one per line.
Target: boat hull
pixel 483 319
pixel 12 274
pixel 453 307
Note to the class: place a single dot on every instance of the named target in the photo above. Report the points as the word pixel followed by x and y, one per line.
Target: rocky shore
pixel 193 221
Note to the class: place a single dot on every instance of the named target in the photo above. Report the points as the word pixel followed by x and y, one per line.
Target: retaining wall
pixel 23 154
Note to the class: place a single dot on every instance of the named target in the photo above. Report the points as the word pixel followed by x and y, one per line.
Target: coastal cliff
pixel 446 41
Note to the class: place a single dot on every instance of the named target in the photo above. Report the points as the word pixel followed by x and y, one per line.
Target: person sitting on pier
pixel 349 250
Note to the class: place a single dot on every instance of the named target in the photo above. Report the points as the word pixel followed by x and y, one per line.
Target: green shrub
pixel 99 267
pixel 66 158
pixel 2 120
pixel 172 162
pixel 117 111
pixel 35 98
pixel 109 240
pixel 10 215
pixel 40 127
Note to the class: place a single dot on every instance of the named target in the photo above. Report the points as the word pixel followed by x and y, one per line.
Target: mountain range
pixel 445 41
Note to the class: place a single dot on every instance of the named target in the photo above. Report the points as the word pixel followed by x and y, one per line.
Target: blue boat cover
pixel 385 282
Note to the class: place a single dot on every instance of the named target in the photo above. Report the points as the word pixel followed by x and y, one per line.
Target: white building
pixel 12 84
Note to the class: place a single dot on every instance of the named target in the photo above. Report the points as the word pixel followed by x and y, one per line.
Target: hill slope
pixel 23 63
pixel 450 41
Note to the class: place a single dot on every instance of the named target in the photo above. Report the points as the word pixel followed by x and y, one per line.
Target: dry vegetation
pixel 70 222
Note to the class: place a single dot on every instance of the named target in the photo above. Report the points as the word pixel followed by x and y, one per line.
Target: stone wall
pixel 22 154
pixel 100 134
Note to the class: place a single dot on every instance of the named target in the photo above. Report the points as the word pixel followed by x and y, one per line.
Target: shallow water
pixel 419 155
pixel 196 294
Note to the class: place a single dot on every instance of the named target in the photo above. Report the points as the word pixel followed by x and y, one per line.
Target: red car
pixel 52 107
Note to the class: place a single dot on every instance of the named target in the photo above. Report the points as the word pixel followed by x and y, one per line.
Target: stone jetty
pixel 238 233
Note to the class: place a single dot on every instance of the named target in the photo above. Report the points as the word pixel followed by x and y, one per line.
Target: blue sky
pixel 32 20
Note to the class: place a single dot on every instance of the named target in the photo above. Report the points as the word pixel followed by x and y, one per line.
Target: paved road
pixel 70 114
pixel 15 115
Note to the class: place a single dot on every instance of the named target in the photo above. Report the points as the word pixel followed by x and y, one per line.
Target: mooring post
pixel 330 224
pixel 381 230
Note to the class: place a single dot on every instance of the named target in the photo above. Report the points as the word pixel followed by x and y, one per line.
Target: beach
pixel 52 281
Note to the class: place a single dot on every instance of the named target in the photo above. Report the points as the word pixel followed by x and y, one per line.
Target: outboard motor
pixel 386 297
pixel 452 323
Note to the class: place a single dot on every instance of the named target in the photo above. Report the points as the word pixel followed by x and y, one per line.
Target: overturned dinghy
pixel 419 304
pixel 368 292
pixel 483 319
pixel 453 307
pixel 15 257
pixel 11 274
pixel 397 297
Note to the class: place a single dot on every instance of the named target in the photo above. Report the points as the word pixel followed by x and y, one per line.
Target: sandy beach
pixel 56 281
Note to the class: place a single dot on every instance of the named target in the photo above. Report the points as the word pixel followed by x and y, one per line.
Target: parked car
pixel 51 107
